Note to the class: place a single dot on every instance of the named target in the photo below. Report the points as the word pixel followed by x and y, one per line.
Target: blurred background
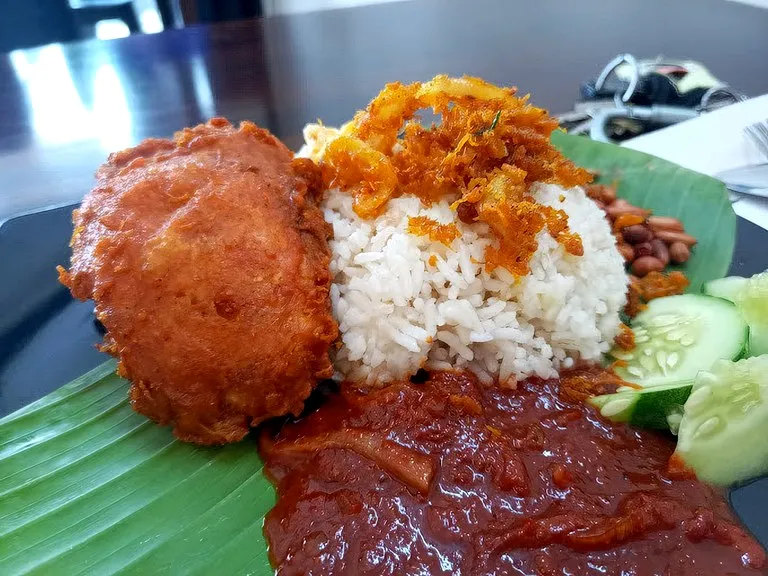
pixel 82 78
pixel 38 22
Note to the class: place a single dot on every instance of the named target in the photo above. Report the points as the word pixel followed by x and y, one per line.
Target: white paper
pixel 712 143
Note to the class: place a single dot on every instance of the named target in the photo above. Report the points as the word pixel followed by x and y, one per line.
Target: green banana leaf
pixel 699 201
pixel 87 486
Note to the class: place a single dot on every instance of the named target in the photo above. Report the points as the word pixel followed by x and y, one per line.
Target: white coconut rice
pixel 397 313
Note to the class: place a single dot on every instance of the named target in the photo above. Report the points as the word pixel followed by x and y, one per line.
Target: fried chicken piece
pixel 208 260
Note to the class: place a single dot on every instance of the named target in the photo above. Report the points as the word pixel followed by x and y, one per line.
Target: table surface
pixel 64 107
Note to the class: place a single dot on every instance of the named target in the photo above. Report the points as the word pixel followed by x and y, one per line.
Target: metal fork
pixel 750 179
pixel 758 134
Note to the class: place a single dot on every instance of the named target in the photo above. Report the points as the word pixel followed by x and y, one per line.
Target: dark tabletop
pixel 64 107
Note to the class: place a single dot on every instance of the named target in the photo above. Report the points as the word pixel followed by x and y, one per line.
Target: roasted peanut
pixel 608 194
pixel 626 251
pixel 646 264
pixel 660 251
pixel 621 206
pixel 670 237
pixel 594 191
pixel 643 249
pixel 636 234
pixel 665 223
pixel 679 252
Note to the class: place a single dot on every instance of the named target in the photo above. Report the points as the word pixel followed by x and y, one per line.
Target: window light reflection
pixel 58 114
pixel 202 86
pixel 111 117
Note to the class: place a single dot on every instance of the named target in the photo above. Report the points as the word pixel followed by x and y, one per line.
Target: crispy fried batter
pixel 489 147
pixel 208 261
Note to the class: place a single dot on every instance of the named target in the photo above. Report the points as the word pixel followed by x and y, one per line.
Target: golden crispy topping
pixel 625 339
pixel 657 285
pixel 488 149
pixel 588 380
pixel 653 285
pixel 423 226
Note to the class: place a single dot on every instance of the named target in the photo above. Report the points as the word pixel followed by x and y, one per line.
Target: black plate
pixel 47 339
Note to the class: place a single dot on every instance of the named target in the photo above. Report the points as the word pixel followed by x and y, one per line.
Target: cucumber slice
pixel 751 297
pixel 758 338
pixel 658 407
pixel 677 336
pixel 728 288
pixel 723 432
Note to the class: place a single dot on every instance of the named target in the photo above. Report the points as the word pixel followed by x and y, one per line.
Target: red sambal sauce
pixel 449 477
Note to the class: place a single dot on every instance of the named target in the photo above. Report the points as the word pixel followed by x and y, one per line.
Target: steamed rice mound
pixel 467 244
pixel 405 302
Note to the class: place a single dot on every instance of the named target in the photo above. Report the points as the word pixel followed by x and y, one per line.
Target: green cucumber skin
pixel 651 416
pixel 645 410
pixel 745 349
